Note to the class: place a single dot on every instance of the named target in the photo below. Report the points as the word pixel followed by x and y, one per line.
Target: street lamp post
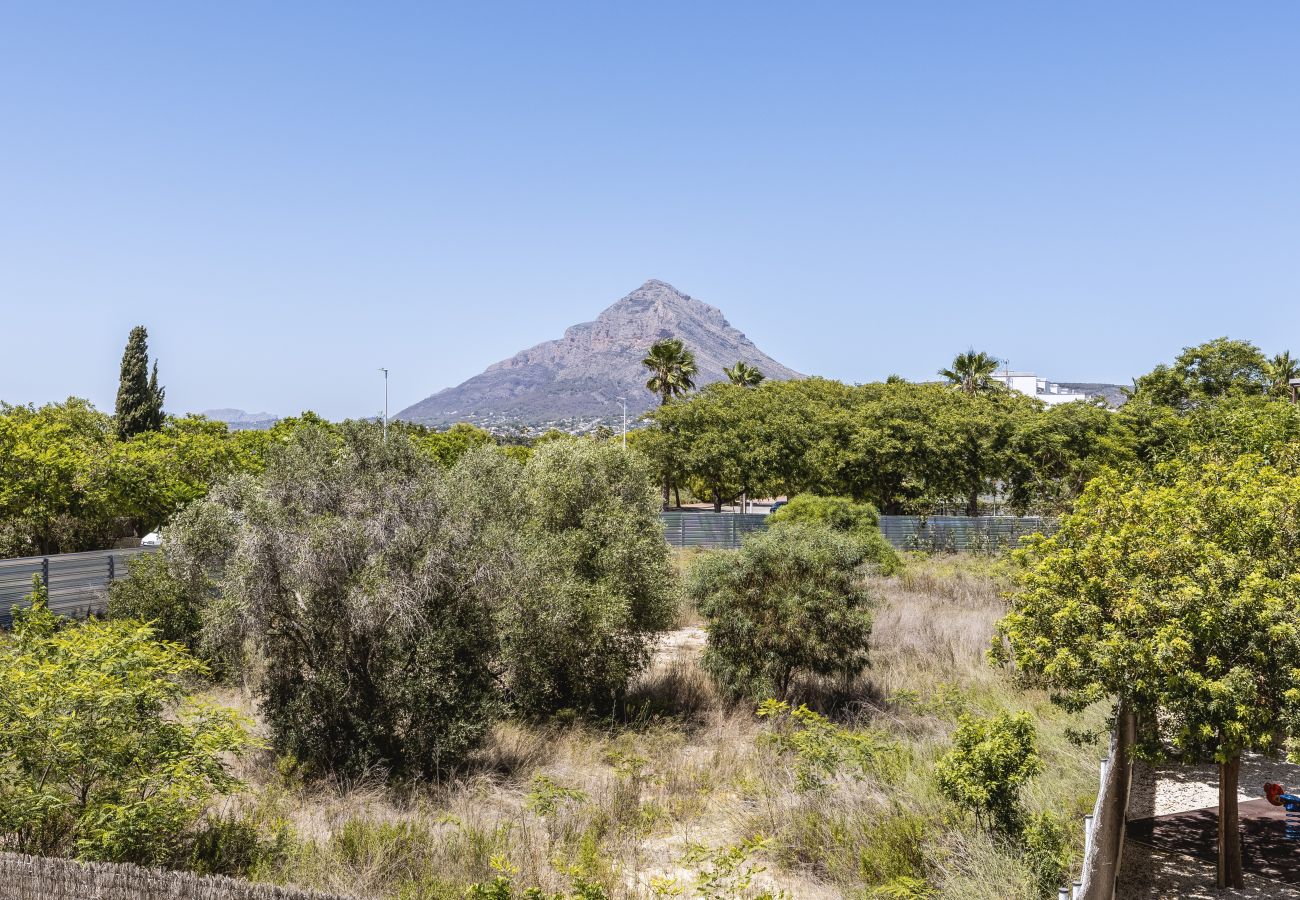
pixel 623 400
pixel 385 371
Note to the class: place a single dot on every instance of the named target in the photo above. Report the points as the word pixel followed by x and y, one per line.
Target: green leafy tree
pixel 991 760
pixel 791 600
pixel 154 595
pixel 1216 369
pixel 1050 456
pixel 103 755
pixel 972 372
pixel 743 374
pixel 1177 593
pixel 139 398
pixel 858 520
pixel 54 478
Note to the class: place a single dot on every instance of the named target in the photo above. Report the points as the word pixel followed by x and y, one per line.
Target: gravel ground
pixel 1163 790
pixel 1149 874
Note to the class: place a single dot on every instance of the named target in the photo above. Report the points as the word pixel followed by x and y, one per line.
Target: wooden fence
pixel 40 878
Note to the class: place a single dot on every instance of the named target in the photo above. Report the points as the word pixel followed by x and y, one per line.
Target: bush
pixel 859 520
pixel 155 595
pixel 600 584
pixel 990 761
pixel 102 754
pixel 790 600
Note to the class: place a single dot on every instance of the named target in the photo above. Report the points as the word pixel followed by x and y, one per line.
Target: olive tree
pixel 365 580
pixel 1177 593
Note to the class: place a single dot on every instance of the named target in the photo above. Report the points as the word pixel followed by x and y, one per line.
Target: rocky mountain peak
pixel 581 375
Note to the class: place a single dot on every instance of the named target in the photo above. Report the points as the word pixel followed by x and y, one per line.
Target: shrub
pixel 599 585
pixel 790 600
pixel 990 761
pixel 859 520
pixel 102 754
pixel 819 746
pixel 154 594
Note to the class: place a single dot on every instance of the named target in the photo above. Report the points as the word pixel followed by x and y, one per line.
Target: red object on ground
pixel 1274 793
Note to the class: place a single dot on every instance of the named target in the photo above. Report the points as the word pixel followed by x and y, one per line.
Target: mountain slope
pixel 581 376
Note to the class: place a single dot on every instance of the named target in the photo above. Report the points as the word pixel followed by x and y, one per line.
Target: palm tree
pixel 972 372
pixel 672 369
pixel 743 374
pixel 1280 370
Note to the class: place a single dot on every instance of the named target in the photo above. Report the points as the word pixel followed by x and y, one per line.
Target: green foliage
pixel 68 483
pixel 365 580
pixel 1211 371
pixel 1045 845
pixel 396 608
pixel 743 374
pixel 1052 455
pixel 859 520
pixel 728 872
pixel 102 754
pixel 990 761
pixel 672 368
pixel 597 584
pixel 820 747
pixel 503 887
pixel 972 372
pixel 447 447
pixel 1178 592
pixel 155 595
pixel 546 796
pixel 790 600
pixel 139 398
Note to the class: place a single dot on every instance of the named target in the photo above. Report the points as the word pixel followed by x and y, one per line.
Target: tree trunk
pixel 677 494
pixel 1229 824
pixel 667 486
pixel 717 501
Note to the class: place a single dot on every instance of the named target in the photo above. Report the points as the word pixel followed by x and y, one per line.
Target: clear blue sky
pixel 290 195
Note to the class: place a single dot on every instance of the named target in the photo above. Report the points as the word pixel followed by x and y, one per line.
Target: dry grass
pixel 622 803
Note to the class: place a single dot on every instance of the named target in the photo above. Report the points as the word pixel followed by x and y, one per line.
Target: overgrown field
pixel 688 795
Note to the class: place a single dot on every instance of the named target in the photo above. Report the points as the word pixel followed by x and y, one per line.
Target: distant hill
pixel 238 420
pixel 578 378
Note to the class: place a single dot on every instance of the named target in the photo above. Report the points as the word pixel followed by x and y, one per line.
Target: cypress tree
pixel 139 398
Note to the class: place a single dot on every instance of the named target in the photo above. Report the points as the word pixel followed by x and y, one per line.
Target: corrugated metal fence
pixel 939 533
pixel 77 582
pixel 960 532
pixel 708 529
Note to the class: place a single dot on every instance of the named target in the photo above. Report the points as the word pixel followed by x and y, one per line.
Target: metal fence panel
pixel 692 528
pixel 719 531
pixel 77 582
pixel 960 532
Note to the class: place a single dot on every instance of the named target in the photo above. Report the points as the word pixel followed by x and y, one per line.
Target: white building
pixel 1039 388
